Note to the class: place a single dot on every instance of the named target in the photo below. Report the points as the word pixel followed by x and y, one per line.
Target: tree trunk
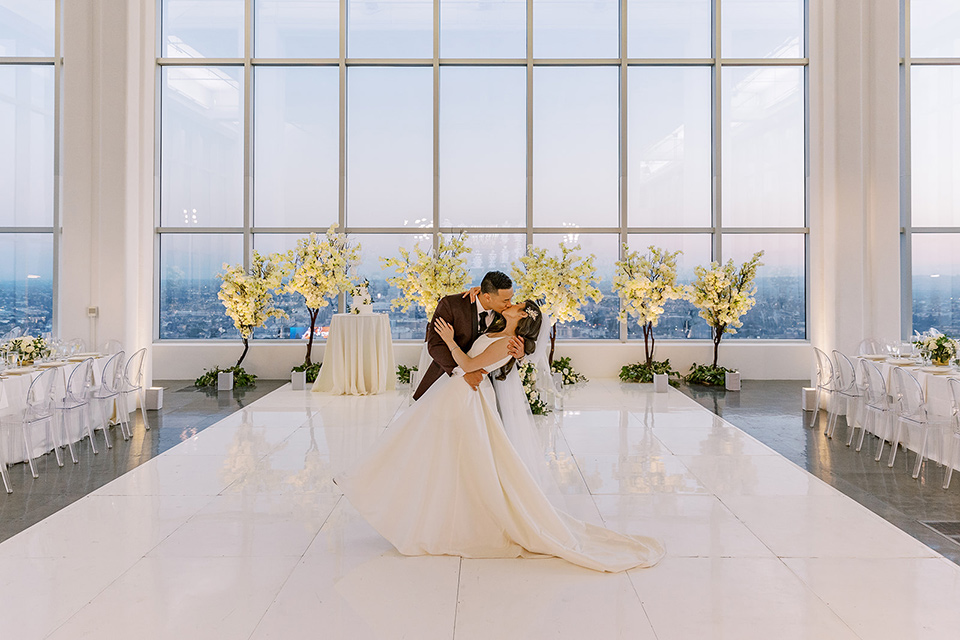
pixel 717 335
pixel 649 343
pixel 313 323
pixel 246 347
pixel 553 341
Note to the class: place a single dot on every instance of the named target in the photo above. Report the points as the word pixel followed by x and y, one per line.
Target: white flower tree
pixel 425 277
pixel 645 282
pixel 561 285
pixel 248 295
pixel 723 294
pixel 319 268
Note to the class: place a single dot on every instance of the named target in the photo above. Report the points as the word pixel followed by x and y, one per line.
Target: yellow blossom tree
pixel 723 294
pixel 319 268
pixel 561 285
pixel 424 277
pixel 645 282
pixel 248 295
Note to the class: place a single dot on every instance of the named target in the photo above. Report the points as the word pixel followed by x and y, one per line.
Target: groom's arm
pixel 435 345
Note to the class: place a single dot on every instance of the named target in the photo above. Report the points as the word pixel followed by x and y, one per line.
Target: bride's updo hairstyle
pixel 528 328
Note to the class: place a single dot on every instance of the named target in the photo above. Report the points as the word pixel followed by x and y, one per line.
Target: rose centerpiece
pixel 936 347
pixel 26 348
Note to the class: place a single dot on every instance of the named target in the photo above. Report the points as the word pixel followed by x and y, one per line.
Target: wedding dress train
pixel 444 479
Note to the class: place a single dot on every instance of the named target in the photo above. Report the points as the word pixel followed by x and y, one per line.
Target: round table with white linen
pixel 358 359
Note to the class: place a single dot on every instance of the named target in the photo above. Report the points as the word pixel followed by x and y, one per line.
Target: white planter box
pixel 661 382
pixel 731 381
pixel 225 381
pixel 153 398
pixel 808 399
pixel 298 380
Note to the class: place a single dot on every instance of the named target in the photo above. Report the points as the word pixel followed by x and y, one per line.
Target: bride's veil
pixel 518 420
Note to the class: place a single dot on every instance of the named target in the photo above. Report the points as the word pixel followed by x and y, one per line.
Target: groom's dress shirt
pixel 464 316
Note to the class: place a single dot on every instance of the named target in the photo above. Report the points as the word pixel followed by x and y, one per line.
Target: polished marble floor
pixel 238 532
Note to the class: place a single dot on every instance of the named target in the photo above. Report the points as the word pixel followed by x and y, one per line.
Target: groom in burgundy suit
pixel 470 319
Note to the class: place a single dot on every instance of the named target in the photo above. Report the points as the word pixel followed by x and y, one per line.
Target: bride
pixel 445 480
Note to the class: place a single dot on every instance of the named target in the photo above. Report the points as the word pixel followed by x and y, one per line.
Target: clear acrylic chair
pixel 74 346
pixel 826 383
pixel 107 394
pixel 912 411
pixel 133 383
pixel 38 408
pixel 877 409
pixel 954 460
pixel 3 454
pixel 76 401
pixel 847 396
pixel 111 347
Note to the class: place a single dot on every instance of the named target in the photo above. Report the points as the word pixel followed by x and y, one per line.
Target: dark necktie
pixel 483 322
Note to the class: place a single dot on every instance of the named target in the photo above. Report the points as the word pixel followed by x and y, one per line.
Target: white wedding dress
pixel 444 479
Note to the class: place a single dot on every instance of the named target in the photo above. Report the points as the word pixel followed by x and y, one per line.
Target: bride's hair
pixel 528 328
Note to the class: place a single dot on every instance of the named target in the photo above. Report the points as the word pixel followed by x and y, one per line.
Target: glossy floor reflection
pixel 238 532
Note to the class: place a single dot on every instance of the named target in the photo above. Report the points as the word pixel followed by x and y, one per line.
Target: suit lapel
pixel 475 321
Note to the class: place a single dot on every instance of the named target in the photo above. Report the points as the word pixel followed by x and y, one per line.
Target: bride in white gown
pixel 444 478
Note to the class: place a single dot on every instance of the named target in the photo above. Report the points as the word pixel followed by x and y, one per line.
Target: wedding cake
pixel 360 302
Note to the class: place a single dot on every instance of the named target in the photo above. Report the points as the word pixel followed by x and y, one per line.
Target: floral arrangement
pixel 723 294
pixel 248 296
pixel 568 374
pixel 643 372
pixel 27 348
pixel 423 278
pixel 319 268
pixel 561 285
pixel 360 297
pixel 403 373
pixel 528 377
pixel 935 346
pixel 645 282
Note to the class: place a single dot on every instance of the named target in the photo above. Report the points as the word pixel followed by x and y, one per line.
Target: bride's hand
pixel 472 293
pixel 444 330
pixel 515 347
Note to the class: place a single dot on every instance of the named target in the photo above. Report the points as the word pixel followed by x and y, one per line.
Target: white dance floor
pixel 239 533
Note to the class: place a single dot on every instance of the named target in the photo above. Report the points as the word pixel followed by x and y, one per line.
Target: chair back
pixel 111 347
pixel 80 380
pixel 825 376
pixel 39 401
pixel 954 386
pixel 113 374
pixel 846 374
pixel 74 346
pixel 133 375
pixel 874 386
pixel 909 395
pixel 868 347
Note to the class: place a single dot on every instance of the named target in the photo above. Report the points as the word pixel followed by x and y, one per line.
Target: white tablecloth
pixel 358 359
pixel 13 393
pixel 936 391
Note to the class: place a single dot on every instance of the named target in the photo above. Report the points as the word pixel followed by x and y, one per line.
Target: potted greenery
pixel 723 294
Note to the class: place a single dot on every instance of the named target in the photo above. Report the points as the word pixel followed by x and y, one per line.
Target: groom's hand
pixel 515 348
pixel 474 378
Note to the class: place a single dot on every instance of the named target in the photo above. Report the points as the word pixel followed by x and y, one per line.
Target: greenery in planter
pixel 312 369
pixel 643 372
pixel 710 375
pixel 240 377
pixel 403 373
pixel 564 367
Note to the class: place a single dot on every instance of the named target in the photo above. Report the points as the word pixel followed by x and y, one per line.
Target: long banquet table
pixel 936 391
pixel 13 393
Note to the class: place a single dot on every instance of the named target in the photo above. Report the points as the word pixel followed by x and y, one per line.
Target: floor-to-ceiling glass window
pixel 29 77
pixel 931 164
pixel 679 123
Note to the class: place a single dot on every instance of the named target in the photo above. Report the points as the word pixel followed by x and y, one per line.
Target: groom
pixel 470 319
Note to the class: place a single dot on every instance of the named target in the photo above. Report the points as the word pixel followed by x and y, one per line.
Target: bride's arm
pixel 495 352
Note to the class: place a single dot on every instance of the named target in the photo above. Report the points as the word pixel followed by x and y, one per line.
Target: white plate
pixel 901 361
pixel 874 356
pixel 937 370
pixel 19 372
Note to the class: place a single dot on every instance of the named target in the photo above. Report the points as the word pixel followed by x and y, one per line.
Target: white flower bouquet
pixel 935 346
pixel 27 348
pixel 528 378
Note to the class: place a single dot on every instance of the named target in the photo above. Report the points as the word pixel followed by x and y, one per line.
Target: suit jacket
pixel 462 314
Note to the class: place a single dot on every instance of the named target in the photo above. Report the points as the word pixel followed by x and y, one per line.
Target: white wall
pixel 109 181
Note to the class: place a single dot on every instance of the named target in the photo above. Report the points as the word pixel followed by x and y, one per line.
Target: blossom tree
pixel 248 295
pixel 644 283
pixel 561 285
pixel 723 294
pixel 425 277
pixel 319 268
